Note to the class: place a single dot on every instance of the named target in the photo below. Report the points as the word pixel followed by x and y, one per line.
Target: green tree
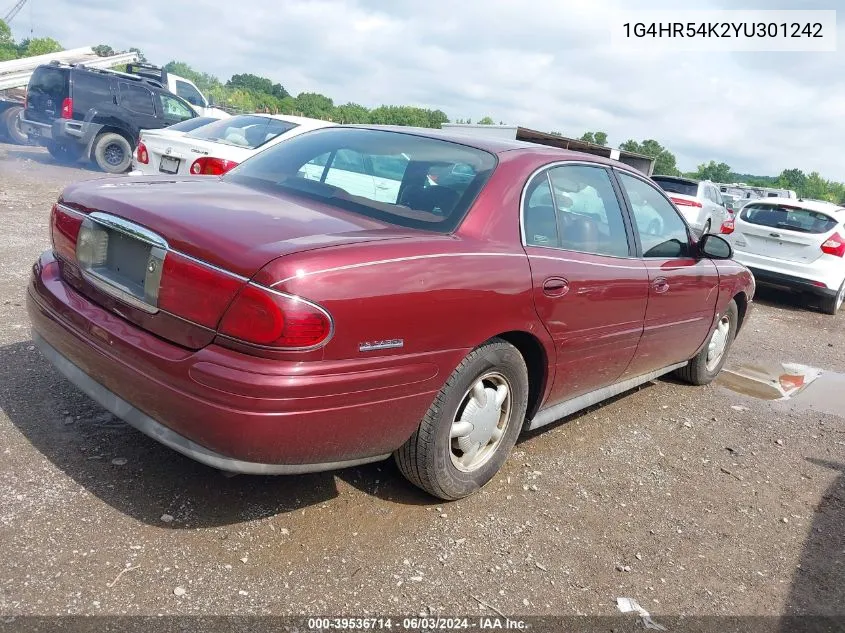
pixel 717 172
pixel 315 105
pixel 588 137
pixel 486 121
pixel 38 46
pixel 601 138
pixel 664 160
pixel 436 118
pixel 203 81
pixel 794 179
pixel 141 57
pixel 816 187
pixel 256 84
pixel 352 113
pixel 103 50
pixel 8 49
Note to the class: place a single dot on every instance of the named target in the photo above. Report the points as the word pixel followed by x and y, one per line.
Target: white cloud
pixel 541 64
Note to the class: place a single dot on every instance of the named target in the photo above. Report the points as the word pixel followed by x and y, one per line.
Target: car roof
pixel 688 181
pixel 810 205
pixel 496 145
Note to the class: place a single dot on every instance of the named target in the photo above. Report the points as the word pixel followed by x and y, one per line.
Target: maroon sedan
pixel 358 292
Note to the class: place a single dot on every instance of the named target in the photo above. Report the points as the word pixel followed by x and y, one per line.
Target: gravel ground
pixel 690 500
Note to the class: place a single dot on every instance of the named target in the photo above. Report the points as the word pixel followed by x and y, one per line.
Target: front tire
pixel 112 153
pixel 471 426
pixel 707 364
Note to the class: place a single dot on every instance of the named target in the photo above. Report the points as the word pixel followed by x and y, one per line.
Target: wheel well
pixel 741 306
pixel 535 359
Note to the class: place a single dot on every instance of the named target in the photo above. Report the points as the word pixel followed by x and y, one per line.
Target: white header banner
pixel 723 31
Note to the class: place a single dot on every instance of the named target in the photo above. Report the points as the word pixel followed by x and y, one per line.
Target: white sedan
pixel 217 147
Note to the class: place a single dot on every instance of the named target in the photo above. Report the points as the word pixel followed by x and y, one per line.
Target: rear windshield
pixel 400 178
pixel 192 124
pixel 677 186
pixel 47 88
pixel 788 218
pixel 243 131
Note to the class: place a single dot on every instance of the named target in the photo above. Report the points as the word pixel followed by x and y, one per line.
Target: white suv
pixel 795 244
pixel 699 202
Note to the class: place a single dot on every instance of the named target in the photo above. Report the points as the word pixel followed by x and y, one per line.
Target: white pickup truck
pixel 180 86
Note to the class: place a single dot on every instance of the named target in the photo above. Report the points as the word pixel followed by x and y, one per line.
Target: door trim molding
pixel 568 407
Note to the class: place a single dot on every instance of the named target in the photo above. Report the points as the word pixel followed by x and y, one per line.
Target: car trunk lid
pixel 149 241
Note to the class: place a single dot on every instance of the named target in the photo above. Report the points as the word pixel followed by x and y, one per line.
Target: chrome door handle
pixel 660 285
pixel 555 287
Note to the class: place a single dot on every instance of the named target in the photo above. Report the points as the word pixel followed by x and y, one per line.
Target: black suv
pixel 76 111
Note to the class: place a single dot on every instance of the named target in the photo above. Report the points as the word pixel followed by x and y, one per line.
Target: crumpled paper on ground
pixel 629 605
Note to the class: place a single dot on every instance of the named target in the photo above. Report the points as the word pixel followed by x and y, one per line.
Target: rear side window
pixel 575 208
pixel 136 98
pixel 677 186
pixel 90 90
pixel 788 218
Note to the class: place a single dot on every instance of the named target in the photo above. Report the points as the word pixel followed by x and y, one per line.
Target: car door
pixel 590 290
pixel 137 101
pixel 683 287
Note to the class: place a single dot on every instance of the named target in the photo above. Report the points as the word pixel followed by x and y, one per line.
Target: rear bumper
pixel 227 409
pixel 773 278
pixel 60 131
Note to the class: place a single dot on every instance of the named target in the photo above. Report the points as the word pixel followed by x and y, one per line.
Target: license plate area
pixel 121 259
pixel 169 165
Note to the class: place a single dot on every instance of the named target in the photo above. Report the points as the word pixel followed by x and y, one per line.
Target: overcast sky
pixel 548 66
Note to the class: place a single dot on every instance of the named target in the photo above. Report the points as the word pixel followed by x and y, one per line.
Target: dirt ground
pixel 690 500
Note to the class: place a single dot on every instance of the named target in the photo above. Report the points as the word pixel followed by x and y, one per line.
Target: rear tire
pixel 65 153
pixel 487 394
pixel 831 305
pixel 706 365
pixel 112 153
pixel 11 126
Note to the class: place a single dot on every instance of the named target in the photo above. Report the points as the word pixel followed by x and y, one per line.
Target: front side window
pixel 380 174
pixel 136 98
pixel 663 233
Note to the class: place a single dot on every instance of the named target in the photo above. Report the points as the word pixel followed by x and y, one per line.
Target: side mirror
pixel 715 247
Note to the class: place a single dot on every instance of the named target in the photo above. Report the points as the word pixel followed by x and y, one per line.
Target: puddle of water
pixel 776 381
pixel 805 387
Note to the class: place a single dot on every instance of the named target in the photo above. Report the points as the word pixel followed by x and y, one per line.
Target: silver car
pixel 698 201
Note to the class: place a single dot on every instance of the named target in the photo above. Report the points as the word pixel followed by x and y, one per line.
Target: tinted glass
pixel 90 90
pixel 189 93
pixel 175 110
pixel 245 130
pixel 539 219
pixel 136 98
pixel 47 88
pixel 673 185
pixel 294 167
pixel 191 124
pixel 789 218
pixel 662 231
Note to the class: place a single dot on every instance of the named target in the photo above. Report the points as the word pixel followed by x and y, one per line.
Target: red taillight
pixel 681 202
pixel 209 166
pixel 194 291
pixel 727 227
pixel 143 155
pixel 834 245
pixel 263 317
pixel 67 108
pixel 64 230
